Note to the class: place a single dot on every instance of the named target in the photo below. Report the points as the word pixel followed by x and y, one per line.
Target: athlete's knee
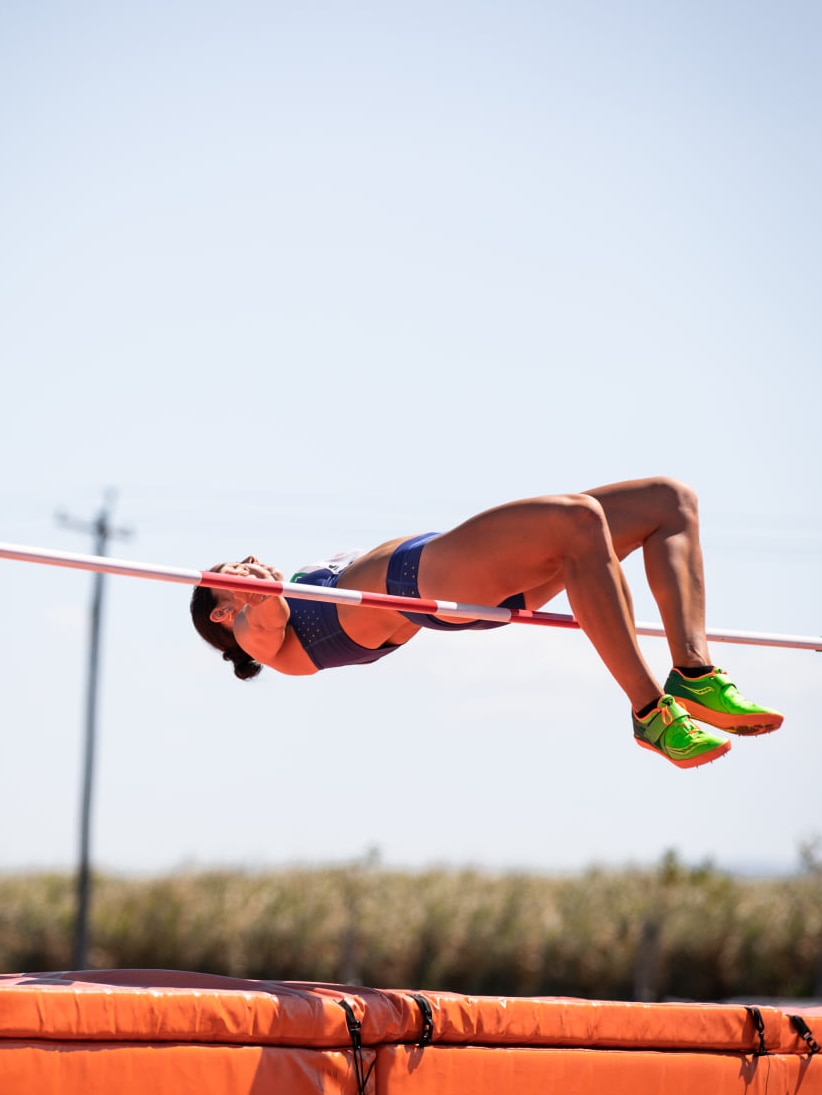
pixel 584 520
pixel 678 499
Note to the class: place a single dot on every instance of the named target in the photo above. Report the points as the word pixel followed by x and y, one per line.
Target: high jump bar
pixel 302 591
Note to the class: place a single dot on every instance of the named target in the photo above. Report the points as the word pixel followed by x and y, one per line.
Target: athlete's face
pixel 229 602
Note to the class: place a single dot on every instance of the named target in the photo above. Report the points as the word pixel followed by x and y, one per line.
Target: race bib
pixel 336 564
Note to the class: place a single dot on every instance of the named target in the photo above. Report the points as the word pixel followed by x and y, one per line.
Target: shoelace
pixel 665 711
pixel 668 718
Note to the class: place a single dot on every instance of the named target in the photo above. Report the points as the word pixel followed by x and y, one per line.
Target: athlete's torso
pixel 317 626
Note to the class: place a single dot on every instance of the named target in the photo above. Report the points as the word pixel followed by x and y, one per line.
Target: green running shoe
pixel 668 730
pixel 715 699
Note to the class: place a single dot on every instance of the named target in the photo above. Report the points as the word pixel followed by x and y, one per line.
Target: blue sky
pixel 292 279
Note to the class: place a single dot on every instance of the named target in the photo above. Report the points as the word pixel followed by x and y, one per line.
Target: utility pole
pixel 103 532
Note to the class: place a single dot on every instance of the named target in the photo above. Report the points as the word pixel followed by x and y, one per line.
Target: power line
pixel 103 531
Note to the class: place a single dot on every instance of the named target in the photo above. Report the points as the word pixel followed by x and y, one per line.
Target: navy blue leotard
pixel 317 624
pixel 401 581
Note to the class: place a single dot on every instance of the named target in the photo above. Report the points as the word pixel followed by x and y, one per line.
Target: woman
pixel 521 555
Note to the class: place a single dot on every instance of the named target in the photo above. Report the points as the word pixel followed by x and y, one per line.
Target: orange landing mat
pixel 133 1032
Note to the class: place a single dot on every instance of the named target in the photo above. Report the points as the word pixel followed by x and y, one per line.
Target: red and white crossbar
pixel 302 591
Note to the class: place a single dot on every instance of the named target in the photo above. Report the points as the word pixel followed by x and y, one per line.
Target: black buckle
pixel 804 1031
pixel 759 1023
pixel 355 1033
pixel 427 1033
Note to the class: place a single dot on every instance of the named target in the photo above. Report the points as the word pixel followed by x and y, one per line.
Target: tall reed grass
pixel 666 932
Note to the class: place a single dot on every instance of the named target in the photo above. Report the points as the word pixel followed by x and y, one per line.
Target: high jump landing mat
pixel 147 1032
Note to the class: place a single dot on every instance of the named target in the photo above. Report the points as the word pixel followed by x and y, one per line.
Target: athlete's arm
pixel 261 628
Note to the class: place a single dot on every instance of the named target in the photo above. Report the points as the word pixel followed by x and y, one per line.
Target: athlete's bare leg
pixel 661 516
pixel 574 542
pixel 560 541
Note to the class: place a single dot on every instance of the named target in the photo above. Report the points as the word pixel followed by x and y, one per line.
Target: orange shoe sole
pixel 688 762
pixel 744 725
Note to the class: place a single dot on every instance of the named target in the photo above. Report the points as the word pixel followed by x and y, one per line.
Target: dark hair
pixel 203 602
